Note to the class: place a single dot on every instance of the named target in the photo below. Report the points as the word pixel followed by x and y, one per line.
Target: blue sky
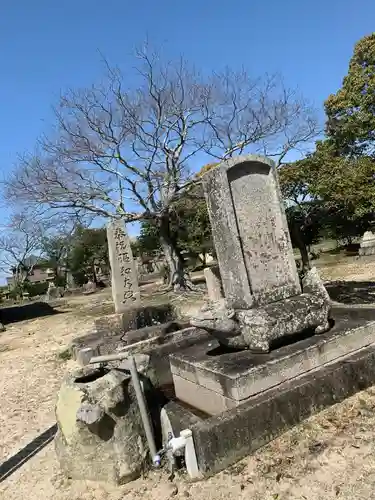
pixel 47 46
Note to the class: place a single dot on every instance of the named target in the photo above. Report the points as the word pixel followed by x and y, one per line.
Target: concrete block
pixel 213 383
pixel 222 440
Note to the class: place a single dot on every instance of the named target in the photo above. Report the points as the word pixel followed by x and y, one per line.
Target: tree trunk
pixel 94 276
pixel 304 256
pixel 298 240
pixel 178 278
pixel 56 275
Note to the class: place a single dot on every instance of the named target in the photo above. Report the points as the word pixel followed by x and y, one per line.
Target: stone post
pixel 125 289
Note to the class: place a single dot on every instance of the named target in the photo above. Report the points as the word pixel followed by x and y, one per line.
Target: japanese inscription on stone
pixel 250 232
pixel 125 289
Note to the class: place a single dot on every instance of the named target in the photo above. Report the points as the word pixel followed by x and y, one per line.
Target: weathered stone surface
pixel 100 435
pixel 214 286
pixel 367 246
pixel 84 355
pixel 142 362
pixel 89 287
pixel 261 326
pixel 54 292
pixel 213 380
pixel 89 413
pixel 109 329
pixel 263 295
pixel 312 283
pixel 250 232
pixel 255 328
pixel 222 440
pixel 218 320
pixel 125 289
pixel 159 368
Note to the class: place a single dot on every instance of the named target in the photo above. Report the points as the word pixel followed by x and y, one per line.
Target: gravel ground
pixel 331 455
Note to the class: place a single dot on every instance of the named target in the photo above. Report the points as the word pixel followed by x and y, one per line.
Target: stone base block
pixel 222 440
pixel 261 326
pixel 213 381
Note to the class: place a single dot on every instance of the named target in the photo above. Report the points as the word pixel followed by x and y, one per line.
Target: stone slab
pixel 124 278
pixel 215 383
pixel 250 232
pixel 201 398
pixel 110 329
pixel 222 440
pixel 174 342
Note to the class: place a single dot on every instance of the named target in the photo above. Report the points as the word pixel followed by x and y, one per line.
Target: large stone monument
pixel 264 299
pixel 125 289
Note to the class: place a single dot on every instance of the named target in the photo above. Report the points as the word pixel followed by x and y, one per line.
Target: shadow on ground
pixel 16 461
pixel 24 312
pixel 352 292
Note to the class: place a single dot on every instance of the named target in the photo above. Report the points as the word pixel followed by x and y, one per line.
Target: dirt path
pixel 329 456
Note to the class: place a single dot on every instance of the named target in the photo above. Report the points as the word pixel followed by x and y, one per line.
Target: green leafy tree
pixel 337 189
pixel 189 228
pixel 343 183
pixel 89 249
pixel 192 226
pixel 351 111
pixel 147 244
pixel 340 174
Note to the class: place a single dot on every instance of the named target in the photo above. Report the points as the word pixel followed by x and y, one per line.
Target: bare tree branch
pixel 20 247
pixel 120 152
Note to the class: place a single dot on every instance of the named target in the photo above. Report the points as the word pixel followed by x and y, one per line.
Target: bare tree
pixel 20 249
pixel 261 115
pixel 126 153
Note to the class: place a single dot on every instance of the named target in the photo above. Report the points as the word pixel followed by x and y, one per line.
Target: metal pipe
pixel 123 354
pixel 147 425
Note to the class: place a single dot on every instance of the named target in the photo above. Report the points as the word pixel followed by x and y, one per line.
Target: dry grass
pixel 329 456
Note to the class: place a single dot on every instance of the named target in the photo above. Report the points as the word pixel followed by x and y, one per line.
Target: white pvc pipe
pixel 144 412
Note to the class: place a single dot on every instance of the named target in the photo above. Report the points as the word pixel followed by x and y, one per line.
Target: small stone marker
pixel 125 289
pixel 367 246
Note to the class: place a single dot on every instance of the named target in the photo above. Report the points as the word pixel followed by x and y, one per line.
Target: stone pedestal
pixel 213 381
